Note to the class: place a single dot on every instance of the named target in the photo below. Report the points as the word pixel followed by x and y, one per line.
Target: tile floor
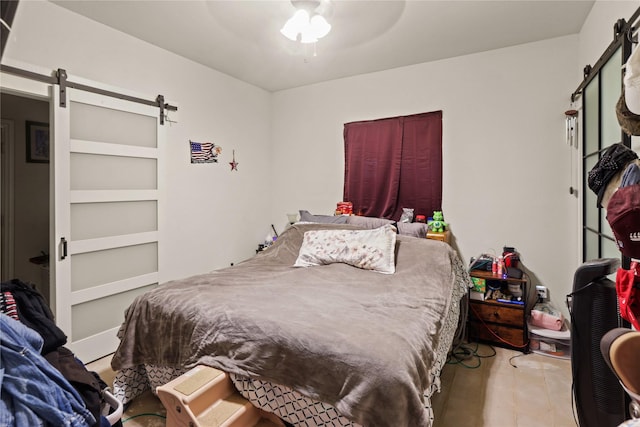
pixel 537 392
pixel 494 394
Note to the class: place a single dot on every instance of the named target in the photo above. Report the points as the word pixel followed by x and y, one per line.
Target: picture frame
pixel 37 138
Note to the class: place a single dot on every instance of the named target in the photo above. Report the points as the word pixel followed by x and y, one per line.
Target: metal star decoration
pixel 233 163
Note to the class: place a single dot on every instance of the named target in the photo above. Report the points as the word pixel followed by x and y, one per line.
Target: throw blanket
pixel 356 339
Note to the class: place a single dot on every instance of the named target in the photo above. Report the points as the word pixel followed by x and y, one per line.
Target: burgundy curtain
pixel 394 163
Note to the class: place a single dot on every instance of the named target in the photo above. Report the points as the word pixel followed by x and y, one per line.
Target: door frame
pixel 41 91
pixel 7 177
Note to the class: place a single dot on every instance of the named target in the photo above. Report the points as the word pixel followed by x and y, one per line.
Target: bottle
pixel 494 266
pixel 500 266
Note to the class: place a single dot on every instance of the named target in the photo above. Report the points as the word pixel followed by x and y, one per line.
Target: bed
pixel 329 344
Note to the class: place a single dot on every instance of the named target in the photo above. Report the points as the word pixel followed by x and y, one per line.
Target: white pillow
pixel 367 249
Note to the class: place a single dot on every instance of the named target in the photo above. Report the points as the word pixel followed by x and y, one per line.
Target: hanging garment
pixel 33 392
pixel 628 290
pixel 629 122
pixel 632 82
pixel 628 106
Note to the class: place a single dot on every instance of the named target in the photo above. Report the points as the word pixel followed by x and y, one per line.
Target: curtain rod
pixel 621 29
pixel 60 78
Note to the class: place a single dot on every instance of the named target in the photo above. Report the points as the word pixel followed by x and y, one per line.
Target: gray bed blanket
pixel 356 339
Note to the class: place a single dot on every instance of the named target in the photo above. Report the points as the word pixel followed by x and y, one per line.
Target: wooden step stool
pixel 206 397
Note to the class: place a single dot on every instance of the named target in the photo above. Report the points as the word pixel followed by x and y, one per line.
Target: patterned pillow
pixel 367 249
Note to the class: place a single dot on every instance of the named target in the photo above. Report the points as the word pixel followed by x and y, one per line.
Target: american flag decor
pixel 204 152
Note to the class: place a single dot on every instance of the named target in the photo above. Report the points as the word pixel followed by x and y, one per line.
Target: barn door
pixel 104 214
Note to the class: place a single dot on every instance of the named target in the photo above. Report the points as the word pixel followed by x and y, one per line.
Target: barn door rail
pixel 59 78
pixel 624 33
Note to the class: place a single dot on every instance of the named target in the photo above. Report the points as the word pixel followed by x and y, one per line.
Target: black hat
pixel 612 161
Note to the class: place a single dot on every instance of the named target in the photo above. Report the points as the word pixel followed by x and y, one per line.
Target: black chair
pixel 600 401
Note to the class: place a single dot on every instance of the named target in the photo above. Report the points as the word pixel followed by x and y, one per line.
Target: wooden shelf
pixel 490 276
pixel 499 323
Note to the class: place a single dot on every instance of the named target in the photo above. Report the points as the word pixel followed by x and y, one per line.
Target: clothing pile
pixel 42 383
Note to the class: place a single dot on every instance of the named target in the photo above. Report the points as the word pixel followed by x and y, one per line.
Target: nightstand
pixel 496 322
pixel 443 237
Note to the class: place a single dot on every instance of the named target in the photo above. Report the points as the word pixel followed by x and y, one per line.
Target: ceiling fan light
pixel 308 37
pixel 295 25
pixel 319 26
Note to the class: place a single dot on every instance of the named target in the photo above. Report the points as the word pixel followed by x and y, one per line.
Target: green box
pixel 479 284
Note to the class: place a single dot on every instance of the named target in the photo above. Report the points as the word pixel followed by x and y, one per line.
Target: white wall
pixel 505 162
pixel 214 216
